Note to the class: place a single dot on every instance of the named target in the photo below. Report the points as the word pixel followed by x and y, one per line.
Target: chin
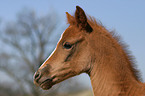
pixel 44 87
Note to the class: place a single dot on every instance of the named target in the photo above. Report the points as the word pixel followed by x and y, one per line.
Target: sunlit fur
pixel 97 52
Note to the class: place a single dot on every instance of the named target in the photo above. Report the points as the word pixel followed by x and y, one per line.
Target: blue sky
pixel 127 17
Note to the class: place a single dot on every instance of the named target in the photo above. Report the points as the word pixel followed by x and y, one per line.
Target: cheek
pixel 81 58
pixel 80 62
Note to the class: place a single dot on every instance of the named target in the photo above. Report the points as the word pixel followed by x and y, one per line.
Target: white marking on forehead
pixel 47 58
pixel 52 52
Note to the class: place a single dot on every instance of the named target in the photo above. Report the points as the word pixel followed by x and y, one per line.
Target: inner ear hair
pixel 88 28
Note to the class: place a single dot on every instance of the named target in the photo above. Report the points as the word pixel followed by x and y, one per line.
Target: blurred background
pixel 30 29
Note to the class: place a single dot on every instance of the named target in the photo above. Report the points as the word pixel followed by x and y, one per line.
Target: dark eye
pixel 67 45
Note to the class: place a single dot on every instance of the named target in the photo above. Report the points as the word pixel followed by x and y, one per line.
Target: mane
pixel 114 36
pixel 127 53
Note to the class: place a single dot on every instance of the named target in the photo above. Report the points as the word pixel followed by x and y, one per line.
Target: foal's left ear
pixel 81 20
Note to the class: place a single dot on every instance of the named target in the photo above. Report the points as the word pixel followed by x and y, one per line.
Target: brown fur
pixel 86 46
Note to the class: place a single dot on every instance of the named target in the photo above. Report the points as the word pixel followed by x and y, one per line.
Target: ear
pixel 70 19
pixel 81 20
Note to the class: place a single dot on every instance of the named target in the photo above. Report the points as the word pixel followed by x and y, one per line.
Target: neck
pixel 111 70
pixel 112 76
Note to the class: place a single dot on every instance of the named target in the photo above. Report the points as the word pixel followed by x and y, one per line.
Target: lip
pixel 46 84
pixel 47 80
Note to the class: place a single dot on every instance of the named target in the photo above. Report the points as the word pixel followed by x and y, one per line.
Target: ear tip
pixel 78 7
pixel 66 12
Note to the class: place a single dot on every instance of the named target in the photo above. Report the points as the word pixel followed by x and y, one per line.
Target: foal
pixel 87 47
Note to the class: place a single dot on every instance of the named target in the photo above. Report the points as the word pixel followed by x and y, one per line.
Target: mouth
pixel 46 84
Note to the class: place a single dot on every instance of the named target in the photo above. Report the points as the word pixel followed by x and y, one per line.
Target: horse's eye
pixel 67 45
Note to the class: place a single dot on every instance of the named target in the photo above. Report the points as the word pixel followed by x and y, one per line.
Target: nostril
pixel 37 76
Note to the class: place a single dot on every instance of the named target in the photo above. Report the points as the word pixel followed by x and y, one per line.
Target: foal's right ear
pixel 70 19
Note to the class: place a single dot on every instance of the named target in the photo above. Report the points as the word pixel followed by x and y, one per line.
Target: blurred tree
pixel 26 45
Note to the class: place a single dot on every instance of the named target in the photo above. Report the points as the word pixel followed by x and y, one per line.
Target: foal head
pixel 72 54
